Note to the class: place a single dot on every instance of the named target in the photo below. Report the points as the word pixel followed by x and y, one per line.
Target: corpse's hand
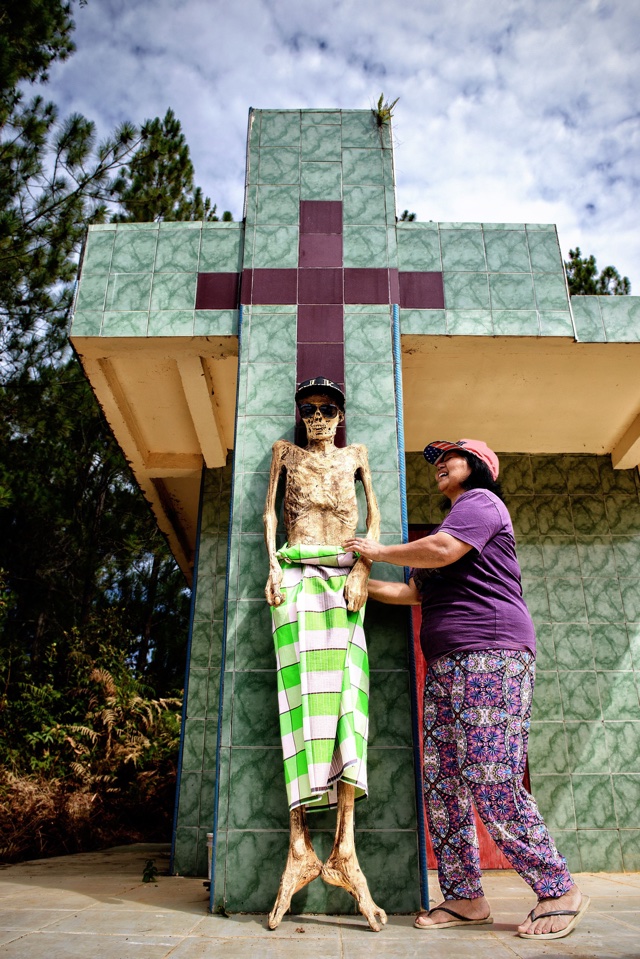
pixel 272 590
pixel 368 548
pixel 355 588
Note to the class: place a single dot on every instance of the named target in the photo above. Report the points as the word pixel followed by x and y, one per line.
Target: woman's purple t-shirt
pixel 475 603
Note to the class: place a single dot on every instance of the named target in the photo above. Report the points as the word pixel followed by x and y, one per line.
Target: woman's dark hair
pixel 480 477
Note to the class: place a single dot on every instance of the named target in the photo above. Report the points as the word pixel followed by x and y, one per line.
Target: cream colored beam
pixel 199 394
pixel 626 453
pixel 172 464
pixel 115 406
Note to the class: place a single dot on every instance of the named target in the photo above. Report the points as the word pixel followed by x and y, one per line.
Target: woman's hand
pixel 368 548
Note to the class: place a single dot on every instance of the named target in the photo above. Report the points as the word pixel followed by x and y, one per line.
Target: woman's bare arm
pixel 397 594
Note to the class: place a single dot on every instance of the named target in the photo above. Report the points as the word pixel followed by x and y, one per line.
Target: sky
pixel 509 110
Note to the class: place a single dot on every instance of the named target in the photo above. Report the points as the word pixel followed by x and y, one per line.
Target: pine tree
pixel 584 280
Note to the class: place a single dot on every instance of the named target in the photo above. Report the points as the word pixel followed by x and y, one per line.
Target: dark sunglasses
pixel 309 409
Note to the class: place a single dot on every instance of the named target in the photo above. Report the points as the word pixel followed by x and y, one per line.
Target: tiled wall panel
pixel 577 525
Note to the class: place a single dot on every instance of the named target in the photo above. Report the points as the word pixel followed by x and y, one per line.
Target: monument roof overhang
pixel 170 402
pixel 524 394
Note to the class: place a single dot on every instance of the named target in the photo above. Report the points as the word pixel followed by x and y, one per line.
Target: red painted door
pixel 490 855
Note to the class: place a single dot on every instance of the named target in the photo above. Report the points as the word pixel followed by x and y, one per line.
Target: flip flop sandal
pixel 457 920
pixel 561 933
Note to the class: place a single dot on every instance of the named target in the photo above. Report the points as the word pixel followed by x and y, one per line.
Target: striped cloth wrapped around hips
pixel 323 677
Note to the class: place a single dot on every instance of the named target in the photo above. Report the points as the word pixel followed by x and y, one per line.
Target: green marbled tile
pixel 178 251
pixel 554 796
pixel 560 556
pixel 207 791
pixel 215 323
pixel 433 322
pixel 254 492
pixel 580 696
pixel 367 338
pixel 127 291
pixel 600 849
pixel 270 388
pixel 515 323
pixel 573 646
pixel 105 227
pixel 593 799
pixel 255 710
pixel 312 117
pixel 523 515
pixel 353 308
pixel 365 246
pixel 364 204
pixel 502 226
pixel 466 291
pixel 185 844
pixel 370 388
pixel 556 324
pixel 619 695
pixel 197 696
pixel 551 291
pixel 215 655
pixel 391 803
pixel 469 323
pixel 627 555
pixel 534 227
pixel 507 251
pixel 544 252
pixel 566 841
pixel 221 250
pixel 554 515
pixel 259 433
pixel 389 860
pixel 389 709
pixel 386 486
pixel 530 558
pixel 171 323
pixel 418 249
pixel 275 247
pixel 511 291
pixel 459 225
pixel 587 748
pixel 515 473
pixel 420 479
pixel 193 744
pixel 589 515
pixel 125 324
pixel 258 798
pixel 251 203
pixel 463 250
pixel 547 705
pixel 280 129
pixel 623 513
pixel 253 567
pixel 582 473
pixel 381 443
pixel 545 648
pixel 604 603
pixel 588 319
pixel 386 628
pixel 249 887
pixel 253 636
pixel 134 251
pixel 362 166
pixel 621 320
pixel 227 706
pixel 419 509
pixel 86 323
pixel 630 845
pixel 626 796
pixel 189 803
pixel 359 129
pixel 611 647
pixel 97 253
pixel 279 165
pixel 173 291
pixel 320 181
pixel 321 143
pixel 536 598
pixel 566 601
pixel 548 474
pixel 547 748
pixel 278 204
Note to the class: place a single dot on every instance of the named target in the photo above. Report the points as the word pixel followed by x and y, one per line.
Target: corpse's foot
pixel 471 911
pixel 303 866
pixel 344 871
pixel 541 923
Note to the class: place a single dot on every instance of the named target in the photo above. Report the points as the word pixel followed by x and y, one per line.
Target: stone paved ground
pixel 95 905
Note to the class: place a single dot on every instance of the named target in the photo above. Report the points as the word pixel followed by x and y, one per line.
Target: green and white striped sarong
pixel 323 677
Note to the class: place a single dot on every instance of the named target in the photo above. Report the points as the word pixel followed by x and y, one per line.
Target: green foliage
pixel 407 217
pixel 157 183
pixel 383 110
pixel 150 871
pixel 584 280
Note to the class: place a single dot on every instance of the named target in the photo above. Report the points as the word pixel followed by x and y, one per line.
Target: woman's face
pixel 451 472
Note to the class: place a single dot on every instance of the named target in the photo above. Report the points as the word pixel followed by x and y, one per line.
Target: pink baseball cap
pixel 436 450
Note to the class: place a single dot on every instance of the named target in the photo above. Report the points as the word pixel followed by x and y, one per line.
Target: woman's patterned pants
pixel 476 725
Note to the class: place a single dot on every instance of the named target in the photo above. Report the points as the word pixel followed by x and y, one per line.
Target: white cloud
pixel 509 110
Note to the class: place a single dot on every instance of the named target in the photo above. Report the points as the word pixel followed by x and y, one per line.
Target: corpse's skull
pixel 321 416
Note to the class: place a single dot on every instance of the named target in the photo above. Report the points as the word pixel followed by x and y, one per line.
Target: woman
pixel 479 642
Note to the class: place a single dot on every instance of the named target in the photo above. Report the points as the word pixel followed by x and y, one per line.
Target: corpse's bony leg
pixel 342 867
pixel 303 866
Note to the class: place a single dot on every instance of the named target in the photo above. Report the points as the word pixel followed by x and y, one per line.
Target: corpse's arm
pixel 355 589
pixel 270 522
